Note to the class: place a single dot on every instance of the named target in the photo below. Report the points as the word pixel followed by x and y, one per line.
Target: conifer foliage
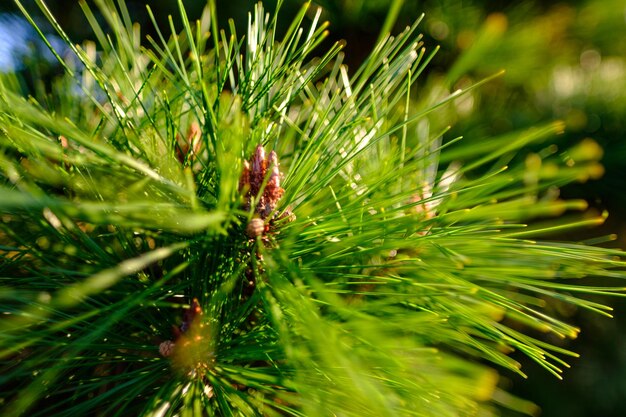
pixel 206 223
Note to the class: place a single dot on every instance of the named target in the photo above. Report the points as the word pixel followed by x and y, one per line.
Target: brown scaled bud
pixel 255 228
pixel 166 348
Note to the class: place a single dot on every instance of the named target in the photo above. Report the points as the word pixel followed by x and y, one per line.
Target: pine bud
pixel 166 348
pixel 253 177
pixel 189 147
pixel 255 228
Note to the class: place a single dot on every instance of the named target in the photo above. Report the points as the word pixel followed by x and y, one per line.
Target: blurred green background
pixel 563 60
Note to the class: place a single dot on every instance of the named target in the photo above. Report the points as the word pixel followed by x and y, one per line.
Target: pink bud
pixel 259 163
pixel 273 191
pixel 244 180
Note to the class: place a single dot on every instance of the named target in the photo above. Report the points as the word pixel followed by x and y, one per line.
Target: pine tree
pixel 225 225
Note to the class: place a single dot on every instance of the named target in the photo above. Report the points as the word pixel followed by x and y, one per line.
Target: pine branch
pixel 222 225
